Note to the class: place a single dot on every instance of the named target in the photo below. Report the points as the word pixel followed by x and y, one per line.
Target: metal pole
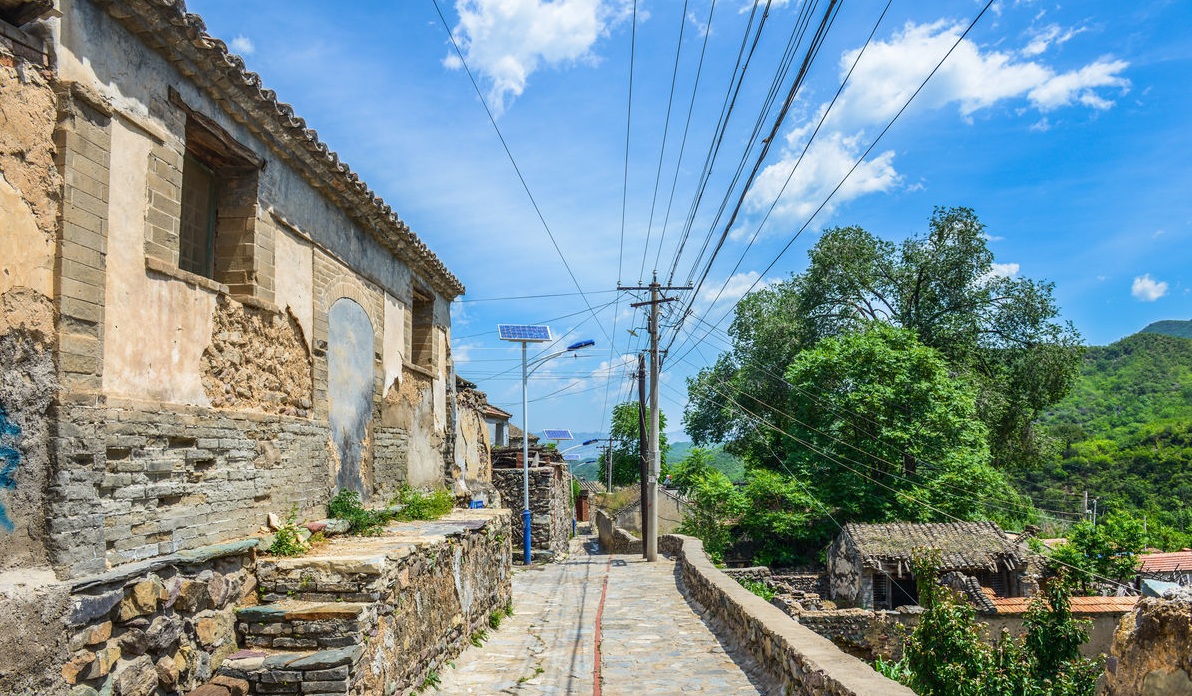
pixel 642 446
pixel 1086 505
pixel 525 463
pixel 609 453
pixel 651 538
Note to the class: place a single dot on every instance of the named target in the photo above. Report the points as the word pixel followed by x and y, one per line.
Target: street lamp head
pixel 581 344
pixel 589 442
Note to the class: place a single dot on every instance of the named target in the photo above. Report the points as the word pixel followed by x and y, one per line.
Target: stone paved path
pixel 653 643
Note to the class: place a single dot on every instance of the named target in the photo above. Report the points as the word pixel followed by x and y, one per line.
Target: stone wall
pixel 137 480
pixel 168 623
pixel 550 505
pixel 612 538
pixel 795 657
pixel 473 460
pixel 1152 650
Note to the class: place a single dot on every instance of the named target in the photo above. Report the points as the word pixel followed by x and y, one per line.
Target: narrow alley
pixel 653 641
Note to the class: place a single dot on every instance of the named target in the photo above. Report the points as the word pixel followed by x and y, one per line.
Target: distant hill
pixel 1125 431
pixel 730 466
pixel 1171 327
pixel 1141 379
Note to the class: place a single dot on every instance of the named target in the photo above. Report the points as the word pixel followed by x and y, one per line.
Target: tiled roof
pixel 182 38
pixel 591 486
pixel 494 412
pixel 1166 562
pixel 1080 605
pixel 962 545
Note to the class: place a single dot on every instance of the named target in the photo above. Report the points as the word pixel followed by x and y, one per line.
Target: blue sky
pixel 1064 126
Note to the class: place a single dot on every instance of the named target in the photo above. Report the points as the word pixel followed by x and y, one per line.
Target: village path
pixel 653 641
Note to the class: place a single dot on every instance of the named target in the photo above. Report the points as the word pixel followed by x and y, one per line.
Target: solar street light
pixel 526 334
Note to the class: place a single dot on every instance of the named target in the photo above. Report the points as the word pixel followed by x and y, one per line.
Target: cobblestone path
pixel 653 643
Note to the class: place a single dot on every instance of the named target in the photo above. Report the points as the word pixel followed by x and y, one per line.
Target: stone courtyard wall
pixel 550 506
pixel 1152 650
pixel 612 538
pixel 795 657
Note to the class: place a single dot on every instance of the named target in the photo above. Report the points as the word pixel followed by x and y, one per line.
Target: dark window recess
pixel 997 583
pixel 421 342
pixel 219 204
pixel 196 250
pixel 881 595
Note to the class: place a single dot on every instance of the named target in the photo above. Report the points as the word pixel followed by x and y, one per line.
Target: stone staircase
pixel 373 615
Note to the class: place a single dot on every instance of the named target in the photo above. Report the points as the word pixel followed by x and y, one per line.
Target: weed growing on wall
pixel 423 505
pixel 289 541
pixel 409 504
pixel 346 506
pixel 758 588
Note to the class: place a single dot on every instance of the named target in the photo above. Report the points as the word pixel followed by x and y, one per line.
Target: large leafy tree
pixel 994 330
pixel 626 448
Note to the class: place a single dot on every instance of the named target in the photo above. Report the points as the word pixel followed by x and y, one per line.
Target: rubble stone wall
pixel 798 659
pixel 136 480
pixel 550 507
pixel 168 623
pixel 612 538
pixel 1152 650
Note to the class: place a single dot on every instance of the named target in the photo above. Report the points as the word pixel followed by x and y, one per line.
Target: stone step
pixel 331 672
pixel 294 625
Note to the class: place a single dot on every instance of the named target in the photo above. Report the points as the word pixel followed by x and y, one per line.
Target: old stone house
pixel 869 565
pixel 205 316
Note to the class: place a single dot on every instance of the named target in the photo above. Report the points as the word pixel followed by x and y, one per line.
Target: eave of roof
pixel 182 37
pixel 1080 605
pixel 1166 562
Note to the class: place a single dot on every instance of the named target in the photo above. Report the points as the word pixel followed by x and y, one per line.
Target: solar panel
pixel 523 333
pixel 571 457
pixel 558 434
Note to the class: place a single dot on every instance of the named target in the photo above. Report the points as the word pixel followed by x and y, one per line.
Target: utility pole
pixel 608 451
pixel 650 482
pixel 1086 505
pixel 643 453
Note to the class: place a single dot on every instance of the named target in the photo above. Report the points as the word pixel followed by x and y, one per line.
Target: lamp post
pixel 524 335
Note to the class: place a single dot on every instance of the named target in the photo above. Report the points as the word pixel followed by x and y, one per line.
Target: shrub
pixel 423 505
pixel 289 541
pixel 758 588
pixel 346 506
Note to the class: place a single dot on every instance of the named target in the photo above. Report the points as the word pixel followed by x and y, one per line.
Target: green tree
pixel 626 449
pixel 715 503
pixel 780 521
pixel 994 330
pixel 1107 550
pixel 694 466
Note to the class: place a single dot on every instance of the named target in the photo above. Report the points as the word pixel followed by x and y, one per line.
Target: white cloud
pixel 1000 270
pixel 1147 289
pixel 887 74
pixel 506 41
pixel 1041 126
pixel 1050 35
pixel 991 238
pixel 242 45
pixel 736 287
pixel 1158 233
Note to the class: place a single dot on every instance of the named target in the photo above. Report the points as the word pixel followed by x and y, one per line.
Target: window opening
pixel 422 347
pixel 881 597
pixel 196 252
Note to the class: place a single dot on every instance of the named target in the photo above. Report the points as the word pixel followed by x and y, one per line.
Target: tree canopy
pixel 996 331
pixel 626 449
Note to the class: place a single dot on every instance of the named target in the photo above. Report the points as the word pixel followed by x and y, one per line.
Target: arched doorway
pixel 350 388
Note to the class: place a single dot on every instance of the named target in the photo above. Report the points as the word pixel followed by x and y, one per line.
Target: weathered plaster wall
pixel 473 462
pixel 33 644
pixel 155 328
pixel 847 579
pixel 394 341
pixel 410 407
pixel 294 281
pixel 30 193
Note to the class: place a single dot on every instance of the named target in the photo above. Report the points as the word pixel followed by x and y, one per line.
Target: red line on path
pixel 599 615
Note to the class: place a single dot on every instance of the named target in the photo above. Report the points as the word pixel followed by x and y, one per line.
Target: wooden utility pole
pixel 650 481
pixel 641 444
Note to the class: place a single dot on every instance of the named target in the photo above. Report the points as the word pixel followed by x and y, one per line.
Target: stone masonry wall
pixel 166 624
pixel 137 480
pixel 1152 650
pixel 612 538
pixel 798 659
pixel 550 511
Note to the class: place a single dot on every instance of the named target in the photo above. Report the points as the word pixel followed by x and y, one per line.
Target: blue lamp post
pixel 524 335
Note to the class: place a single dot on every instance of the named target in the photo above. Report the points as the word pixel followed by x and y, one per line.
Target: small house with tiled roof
pixel 1172 566
pixel 870 565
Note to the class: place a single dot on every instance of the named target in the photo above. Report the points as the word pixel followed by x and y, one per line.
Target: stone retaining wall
pixel 550 505
pixel 613 539
pixel 793 655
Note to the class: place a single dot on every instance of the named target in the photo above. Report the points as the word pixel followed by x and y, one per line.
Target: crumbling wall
pixel 550 507
pixel 33 646
pixel 30 197
pixel 410 406
pixel 257 361
pixel 473 461
pixel 1152 649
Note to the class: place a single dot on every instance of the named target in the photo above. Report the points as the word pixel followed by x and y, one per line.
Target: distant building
pixel 1175 566
pixel 498 425
pixel 869 565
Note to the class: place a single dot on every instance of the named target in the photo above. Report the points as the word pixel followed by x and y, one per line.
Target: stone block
pixel 235 687
pixel 87 608
pixel 210 690
pixel 92 635
pixel 167 673
pixel 78 665
pixel 134 642
pixel 325 687
pixel 137 678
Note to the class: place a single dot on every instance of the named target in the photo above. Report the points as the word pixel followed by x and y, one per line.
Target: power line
pixel 662 149
pixel 540 321
pixel 628 122
pixel 492 119
pixel 537 297
pixel 860 159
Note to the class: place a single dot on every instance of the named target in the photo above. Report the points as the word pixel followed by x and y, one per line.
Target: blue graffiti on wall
pixel 10 458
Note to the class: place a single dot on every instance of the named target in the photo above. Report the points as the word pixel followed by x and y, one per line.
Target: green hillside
pixel 730 466
pixel 1171 327
pixel 1125 432
pixel 1140 380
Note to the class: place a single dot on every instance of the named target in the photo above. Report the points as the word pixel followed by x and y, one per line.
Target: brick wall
pixel 136 480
